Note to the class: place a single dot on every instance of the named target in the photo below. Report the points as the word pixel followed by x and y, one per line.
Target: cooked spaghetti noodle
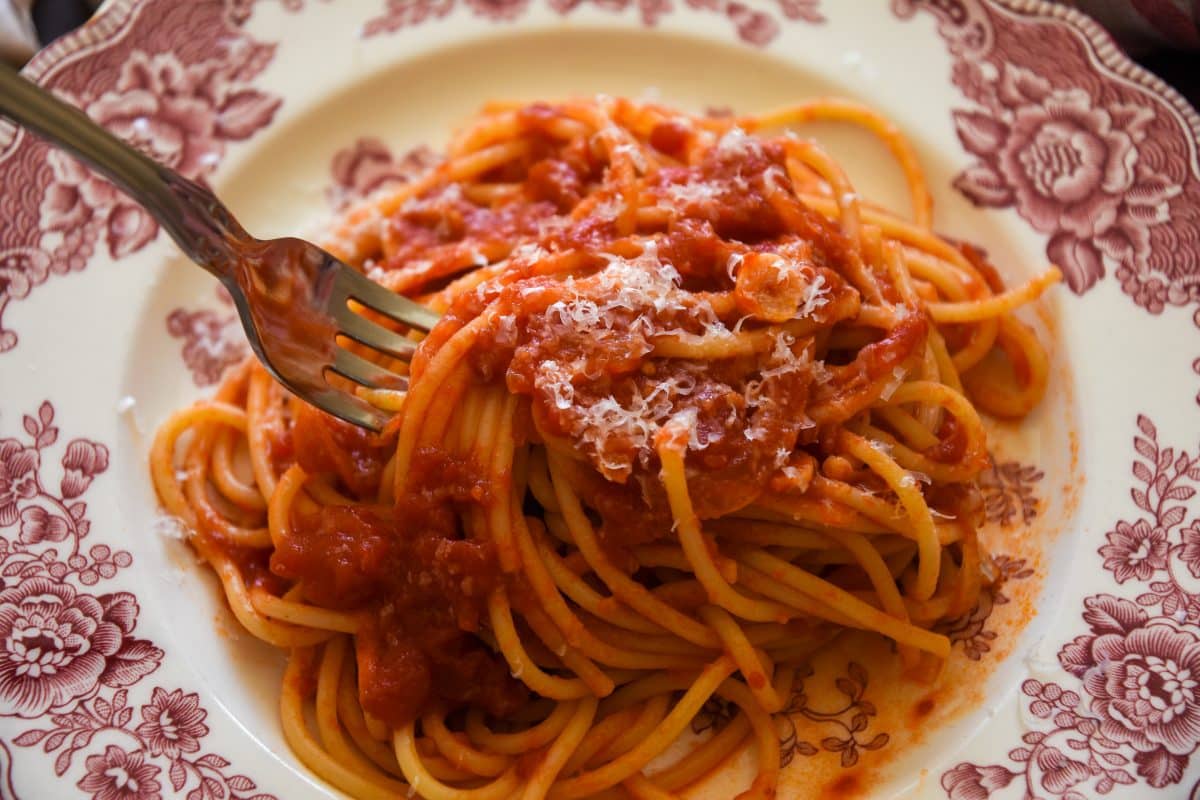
pixel 693 409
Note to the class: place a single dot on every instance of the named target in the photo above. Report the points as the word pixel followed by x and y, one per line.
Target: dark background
pixel 1179 68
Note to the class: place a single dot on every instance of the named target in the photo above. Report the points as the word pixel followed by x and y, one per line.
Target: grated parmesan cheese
pixel 792 473
pixel 731 266
pixel 170 527
pixel 529 252
pixel 785 362
pixel 637 423
pixel 697 193
pixel 688 419
pixel 608 209
pixel 506 330
pixel 897 379
pixel 736 143
pixel 627 296
pixel 557 381
pixel 635 156
pixel 815 296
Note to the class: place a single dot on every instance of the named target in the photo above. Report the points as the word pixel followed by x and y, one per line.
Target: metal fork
pixel 293 297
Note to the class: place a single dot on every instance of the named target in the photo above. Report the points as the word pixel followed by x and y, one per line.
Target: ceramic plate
pixel 122 677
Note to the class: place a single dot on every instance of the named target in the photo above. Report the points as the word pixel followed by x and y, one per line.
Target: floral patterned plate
pixel 122 677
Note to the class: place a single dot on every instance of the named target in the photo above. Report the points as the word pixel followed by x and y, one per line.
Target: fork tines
pixel 373 335
pixel 350 285
pixel 357 286
pixel 369 374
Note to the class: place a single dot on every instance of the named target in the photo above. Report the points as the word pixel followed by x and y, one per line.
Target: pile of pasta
pixel 693 409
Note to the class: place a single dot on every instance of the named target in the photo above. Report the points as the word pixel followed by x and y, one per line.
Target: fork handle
pixel 202 227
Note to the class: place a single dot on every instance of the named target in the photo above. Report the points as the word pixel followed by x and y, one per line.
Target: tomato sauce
pixel 584 350
pixel 420 582
pixel 323 444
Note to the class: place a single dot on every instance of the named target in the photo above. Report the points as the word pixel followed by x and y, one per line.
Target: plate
pixel 122 677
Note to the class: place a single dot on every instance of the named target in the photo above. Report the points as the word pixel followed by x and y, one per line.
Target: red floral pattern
pixel 213 341
pixel 21 269
pixel 120 775
pixel 1061 151
pixel 1142 674
pixel 846 724
pixel 1102 165
pixel 39 525
pixel 70 657
pixel 179 114
pixel 971 629
pixel 1134 712
pixel 1008 492
pixel 971 782
pixel 181 94
pixel 60 646
pixel 1135 551
pixel 174 723
pixel 368 165
pixel 83 461
pixel 755 27
pixel 179 87
pixel 18 477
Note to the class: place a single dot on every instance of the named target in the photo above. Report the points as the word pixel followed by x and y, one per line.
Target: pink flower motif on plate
pixel 18 477
pixel 58 645
pixel 164 109
pixel 368 165
pixel 1135 551
pixel 173 723
pixel 1060 772
pixel 974 782
pixel 1071 167
pixel 1189 554
pixel 212 342
pixel 79 199
pixel 179 89
pixel 1143 676
pixel 120 775
pixel 69 658
pixel 1101 160
pixel 83 461
pixel 1135 718
pixel 39 525
pixel 498 9
pixel 180 115
pixel 22 268
pixel 805 10
pixel 755 27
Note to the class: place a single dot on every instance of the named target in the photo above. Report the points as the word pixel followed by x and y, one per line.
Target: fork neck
pixel 189 212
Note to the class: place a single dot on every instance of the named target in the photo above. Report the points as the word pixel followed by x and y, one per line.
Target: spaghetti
pixel 693 408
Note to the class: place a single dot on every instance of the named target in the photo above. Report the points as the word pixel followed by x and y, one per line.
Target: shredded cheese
pixel 815 296
pixel 739 145
pixel 735 261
